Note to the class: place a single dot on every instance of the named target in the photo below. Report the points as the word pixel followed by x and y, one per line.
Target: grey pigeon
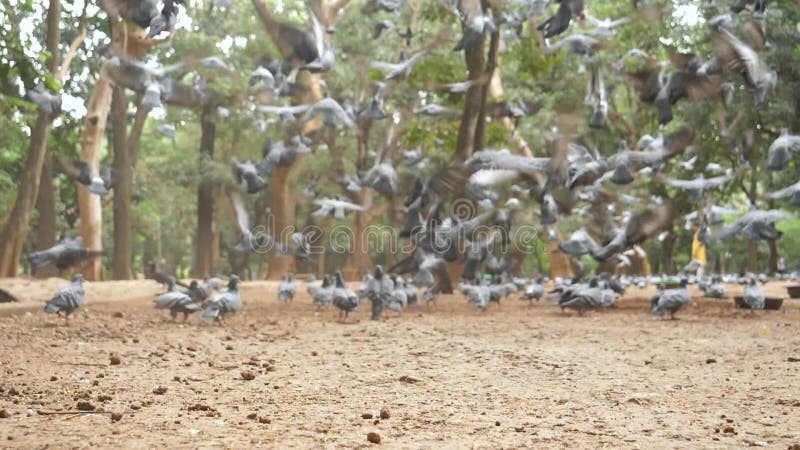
pixel 753 295
pixel 783 150
pixel 176 302
pixel 97 183
pixel 44 100
pixel 65 254
pixel 739 57
pixel 67 299
pixel 226 302
pixel 671 300
pixel 344 299
pixel 287 288
pixel 398 70
pixel 324 294
pixel 476 22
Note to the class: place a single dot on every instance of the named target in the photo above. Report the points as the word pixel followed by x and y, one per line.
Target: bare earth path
pixel 449 376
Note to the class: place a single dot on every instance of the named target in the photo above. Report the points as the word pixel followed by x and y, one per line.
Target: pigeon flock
pixel 572 181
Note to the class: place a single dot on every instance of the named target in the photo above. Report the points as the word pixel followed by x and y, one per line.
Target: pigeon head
pixel 77 278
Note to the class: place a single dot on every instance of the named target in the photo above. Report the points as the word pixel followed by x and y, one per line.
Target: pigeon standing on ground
pixel 228 301
pixel 67 299
pixel 177 302
pixel 287 289
pixel 753 295
pixel 671 300
pixel 344 298
pixel 324 294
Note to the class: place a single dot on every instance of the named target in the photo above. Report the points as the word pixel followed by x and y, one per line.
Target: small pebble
pixel 115 360
pixel 385 413
pixel 53 378
pixel 116 417
pixel 366 416
pixel 4 414
pixel 711 361
pixel 161 390
pixel 85 406
pixel 374 437
pixel 247 375
pixel 729 430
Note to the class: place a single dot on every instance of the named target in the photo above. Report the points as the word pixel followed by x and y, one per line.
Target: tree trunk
pixel 15 230
pixel 465 144
pixel 46 226
pixel 123 237
pixel 205 199
pixel 89 207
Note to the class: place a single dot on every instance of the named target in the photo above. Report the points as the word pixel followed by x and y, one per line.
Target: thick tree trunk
pixel 46 206
pixel 204 237
pixel 89 207
pixel 46 227
pixel 465 144
pixel 123 237
pixel 16 228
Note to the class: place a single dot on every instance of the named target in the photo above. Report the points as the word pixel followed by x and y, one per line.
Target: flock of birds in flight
pixel 572 173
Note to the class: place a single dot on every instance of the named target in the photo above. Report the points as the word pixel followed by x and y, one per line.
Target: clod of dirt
pixel 85 406
pixel 116 417
pixel 264 420
pixel 519 429
pixel 228 347
pixel 374 437
pixel 314 353
pixel 247 375
pixel 103 398
pixel 4 414
pixel 407 379
pixel 729 430
pixel 793 359
pixel 497 423
pixel 252 416
pixel 385 414
pixel 366 416
pixel 53 378
pixel 711 361
pixel 115 360
pixel 118 315
pixel 200 407
pixel 161 390
pixel 13 391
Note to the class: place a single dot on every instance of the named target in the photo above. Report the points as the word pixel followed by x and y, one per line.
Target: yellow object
pixel 698 249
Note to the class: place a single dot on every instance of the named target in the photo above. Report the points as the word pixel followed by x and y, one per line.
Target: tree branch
pixel 73 47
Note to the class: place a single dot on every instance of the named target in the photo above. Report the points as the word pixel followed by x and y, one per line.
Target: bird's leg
pixel 185 317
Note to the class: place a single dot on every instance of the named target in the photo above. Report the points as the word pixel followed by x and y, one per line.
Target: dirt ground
pixel 449 376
